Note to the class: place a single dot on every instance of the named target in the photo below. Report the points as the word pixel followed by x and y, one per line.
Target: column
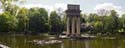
pixel 78 26
pixel 73 25
pixel 68 27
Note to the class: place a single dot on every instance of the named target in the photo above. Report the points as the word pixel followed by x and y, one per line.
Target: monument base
pixel 76 36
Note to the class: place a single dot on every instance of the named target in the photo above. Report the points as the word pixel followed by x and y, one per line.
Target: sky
pixel 87 6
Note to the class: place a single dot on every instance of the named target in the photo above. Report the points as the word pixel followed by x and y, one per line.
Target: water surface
pixel 24 41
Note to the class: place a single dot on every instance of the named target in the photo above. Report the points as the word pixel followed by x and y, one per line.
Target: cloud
pixel 48 7
pixel 56 7
pixel 105 8
pixel 1 11
pixel 61 5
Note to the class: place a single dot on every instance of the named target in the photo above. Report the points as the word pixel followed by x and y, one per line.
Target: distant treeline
pixel 37 20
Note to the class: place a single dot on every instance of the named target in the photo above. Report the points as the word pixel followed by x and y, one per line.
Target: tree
pixel 115 21
pixel 107 21
pixel 8 6
pixel 7 22
pixel 63 23
pixel 83 18
pixel 22 20
pixel 98 26
pixel 123 22
pixel 93 17
pixel 55 22
pixel 38 20
pixel 111 22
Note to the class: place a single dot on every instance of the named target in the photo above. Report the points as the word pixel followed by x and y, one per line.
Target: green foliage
pixel 22 19
pixel 111 23
pixel 7 4
pixel 38 20
pixel 114 21
pixel 123 22
pixel 63 23
pixel 55 22
pixel 98 26
pixel 83 18
pixel 7 22
pixel 93 17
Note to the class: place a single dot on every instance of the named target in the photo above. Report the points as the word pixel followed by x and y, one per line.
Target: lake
pixel 25 41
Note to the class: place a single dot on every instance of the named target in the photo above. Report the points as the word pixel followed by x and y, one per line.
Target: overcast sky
pixel 87 6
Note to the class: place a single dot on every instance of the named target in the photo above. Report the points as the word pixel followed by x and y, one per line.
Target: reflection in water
pixel 62 45
pixel 76 44
pixel 87 44
pixel 22 42
pixel 95 43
